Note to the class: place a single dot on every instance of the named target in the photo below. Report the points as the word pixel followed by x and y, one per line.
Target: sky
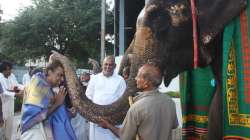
pixel 11 7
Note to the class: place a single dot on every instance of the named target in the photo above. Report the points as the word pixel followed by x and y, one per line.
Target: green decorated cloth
pixel 236 78
pixel 197 88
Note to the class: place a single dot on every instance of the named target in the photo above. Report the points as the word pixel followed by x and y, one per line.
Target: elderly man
pixel 105 88
pixel 153 114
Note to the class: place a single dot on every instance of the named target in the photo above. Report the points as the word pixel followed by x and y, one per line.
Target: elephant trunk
pixel 126 59
pixel 143 49
pixel 114 112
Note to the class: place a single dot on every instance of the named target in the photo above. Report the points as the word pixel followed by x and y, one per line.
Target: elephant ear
pixel 213 15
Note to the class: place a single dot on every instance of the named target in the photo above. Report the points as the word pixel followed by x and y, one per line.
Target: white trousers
pixel 8 116
pixel 8 128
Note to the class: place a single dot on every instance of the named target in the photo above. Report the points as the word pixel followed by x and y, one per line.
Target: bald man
pixel 153 114
pixel 105 88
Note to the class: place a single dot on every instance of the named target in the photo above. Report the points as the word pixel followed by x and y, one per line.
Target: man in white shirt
pixel 1 115
pixel 11 89
pixel 105 88
pixel 27 76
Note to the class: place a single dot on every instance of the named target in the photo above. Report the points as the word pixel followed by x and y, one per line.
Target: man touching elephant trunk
pixel 153 114
pixel 163 32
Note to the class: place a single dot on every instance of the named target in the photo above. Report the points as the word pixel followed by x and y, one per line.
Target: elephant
pixel 95 65
pixel 164 38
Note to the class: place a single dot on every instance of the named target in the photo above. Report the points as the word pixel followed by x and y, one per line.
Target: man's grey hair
pixel 153 75
pixel 109 57
pixel 155 81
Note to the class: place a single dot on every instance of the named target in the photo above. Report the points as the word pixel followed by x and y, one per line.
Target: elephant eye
pixel 157 18
pixel 177 13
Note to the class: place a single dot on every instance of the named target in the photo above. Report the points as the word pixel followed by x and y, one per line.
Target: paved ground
pixel 16 123
pixel 175 136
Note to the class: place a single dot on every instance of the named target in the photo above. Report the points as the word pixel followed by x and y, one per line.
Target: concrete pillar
pixel 122 27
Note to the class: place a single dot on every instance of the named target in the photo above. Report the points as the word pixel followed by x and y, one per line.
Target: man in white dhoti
pixel 105 88
pixel 11 89
pixel 1 115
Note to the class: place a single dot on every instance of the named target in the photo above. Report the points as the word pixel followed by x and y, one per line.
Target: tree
pixel 1 12
pixel 69 27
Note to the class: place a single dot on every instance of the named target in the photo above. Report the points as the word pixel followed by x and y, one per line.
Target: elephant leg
pixel 215 124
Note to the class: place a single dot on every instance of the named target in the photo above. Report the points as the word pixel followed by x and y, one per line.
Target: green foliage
pixel 71 27
pixel 173 94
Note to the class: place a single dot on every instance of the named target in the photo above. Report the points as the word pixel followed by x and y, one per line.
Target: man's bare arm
pixel 105 124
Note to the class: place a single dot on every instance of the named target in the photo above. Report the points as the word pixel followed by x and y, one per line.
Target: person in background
pixel 125 73
pixel 11 89
pixel 1 115
pixel 105 88
pixel 84 79
pixel 27 76
pixel 153 115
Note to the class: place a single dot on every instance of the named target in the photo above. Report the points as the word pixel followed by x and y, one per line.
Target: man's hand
pixel 103 123
pixel 60 96
pixel 19 94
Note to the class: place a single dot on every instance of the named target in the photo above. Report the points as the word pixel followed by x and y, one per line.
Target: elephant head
pixel 164 33
pixel 163 37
